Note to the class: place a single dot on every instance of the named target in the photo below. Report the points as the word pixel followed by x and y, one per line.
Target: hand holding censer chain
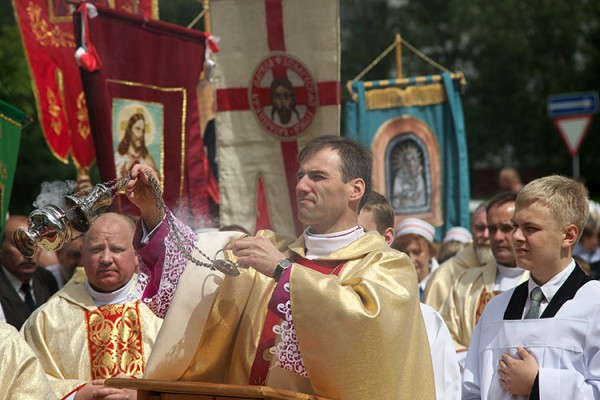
pixel 52 226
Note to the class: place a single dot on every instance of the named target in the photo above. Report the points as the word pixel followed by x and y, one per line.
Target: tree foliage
pixel 35 163
pixel 514 54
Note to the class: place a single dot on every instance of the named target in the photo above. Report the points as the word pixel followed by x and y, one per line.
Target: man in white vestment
pixel 378 215
pixel 476 286
pixel 90 331
pixel 541 340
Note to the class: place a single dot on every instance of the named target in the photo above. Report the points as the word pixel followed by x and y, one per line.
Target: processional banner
pixel 47 30
pixel 417 136
pixel 277 87
pixel 12 120
pixel 139 78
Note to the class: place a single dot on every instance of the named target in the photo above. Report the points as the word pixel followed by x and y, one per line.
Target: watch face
pixel 285 263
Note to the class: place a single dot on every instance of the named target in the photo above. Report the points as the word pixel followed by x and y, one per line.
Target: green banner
pixel 12 121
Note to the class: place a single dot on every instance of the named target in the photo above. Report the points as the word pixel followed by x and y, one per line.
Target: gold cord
pixel 377 60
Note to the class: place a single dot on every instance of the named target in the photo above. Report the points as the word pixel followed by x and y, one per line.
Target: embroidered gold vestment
pixel 361 335
pixel 442 279
pixel 21 374
pixel 466 302
pixel 77 341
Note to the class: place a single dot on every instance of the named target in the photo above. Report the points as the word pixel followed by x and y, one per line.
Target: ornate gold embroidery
pixel 410 97
pixel 115 341
pixel 83 124
pixel 128 8
pixel 45 35
pixel 12 121
pixel 484 298
pixel 54 110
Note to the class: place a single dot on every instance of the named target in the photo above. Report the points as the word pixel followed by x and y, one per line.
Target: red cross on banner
pixel 277 80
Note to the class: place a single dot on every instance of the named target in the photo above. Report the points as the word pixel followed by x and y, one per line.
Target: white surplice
pixel 566 347
pixel 446 371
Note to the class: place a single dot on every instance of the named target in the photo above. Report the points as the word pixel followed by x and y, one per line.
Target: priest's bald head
pixel 107 252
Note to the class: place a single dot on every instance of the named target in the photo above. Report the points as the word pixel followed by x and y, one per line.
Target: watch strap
pixel 281 266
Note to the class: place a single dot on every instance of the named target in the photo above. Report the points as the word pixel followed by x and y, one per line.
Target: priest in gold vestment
pixel 476 286
pixel 22 375
pixel 89 330
pixel 334 312
pixel 474 255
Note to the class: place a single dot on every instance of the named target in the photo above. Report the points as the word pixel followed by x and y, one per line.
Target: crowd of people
pixel 357 307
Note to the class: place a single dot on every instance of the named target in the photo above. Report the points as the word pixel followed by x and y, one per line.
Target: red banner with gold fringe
pixel 47 30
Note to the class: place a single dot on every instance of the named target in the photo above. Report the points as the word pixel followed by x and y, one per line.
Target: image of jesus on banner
pixel 283 95
pixel 137 132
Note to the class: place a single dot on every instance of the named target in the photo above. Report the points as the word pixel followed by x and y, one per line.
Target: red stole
pixel 262 358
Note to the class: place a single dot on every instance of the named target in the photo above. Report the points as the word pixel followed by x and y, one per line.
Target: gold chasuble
pixel 467 300
pixel 21 373
pixel 440 282
pixel 77 341
pixel 360 335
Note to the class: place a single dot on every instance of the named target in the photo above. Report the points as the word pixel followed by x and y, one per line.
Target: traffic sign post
pixel 572 115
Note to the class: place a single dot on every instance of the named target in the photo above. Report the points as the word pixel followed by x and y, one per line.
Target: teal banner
pixel 12 121
pixel 417 135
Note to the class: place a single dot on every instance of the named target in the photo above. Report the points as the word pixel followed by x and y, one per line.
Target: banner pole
pixel 206 16
pixel 398 56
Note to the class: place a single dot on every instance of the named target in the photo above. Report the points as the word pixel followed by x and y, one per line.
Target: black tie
pixel 28 297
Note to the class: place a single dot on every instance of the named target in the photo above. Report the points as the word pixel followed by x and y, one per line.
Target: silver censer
pixel 50 227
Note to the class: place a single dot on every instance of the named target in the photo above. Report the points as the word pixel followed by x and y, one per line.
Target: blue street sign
pixel 560 105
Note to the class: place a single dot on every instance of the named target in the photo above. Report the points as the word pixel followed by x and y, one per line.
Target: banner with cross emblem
pixel 277 88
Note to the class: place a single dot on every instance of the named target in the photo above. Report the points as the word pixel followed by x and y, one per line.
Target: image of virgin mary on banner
pixel 417 135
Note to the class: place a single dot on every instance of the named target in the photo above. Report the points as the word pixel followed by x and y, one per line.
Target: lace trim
pixel 287 350
pixel 173 268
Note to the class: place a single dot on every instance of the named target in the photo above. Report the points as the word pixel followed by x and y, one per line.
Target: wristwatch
pixel 282 265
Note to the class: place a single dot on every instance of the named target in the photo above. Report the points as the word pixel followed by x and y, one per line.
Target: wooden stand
pixel 151 389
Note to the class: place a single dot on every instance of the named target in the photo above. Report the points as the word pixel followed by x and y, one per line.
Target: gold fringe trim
pixel 412 96
pixel 12 121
